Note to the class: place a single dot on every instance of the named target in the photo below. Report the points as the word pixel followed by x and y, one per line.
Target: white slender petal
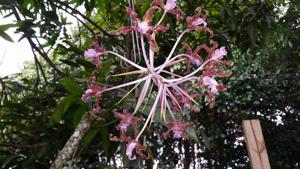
pixel 126 60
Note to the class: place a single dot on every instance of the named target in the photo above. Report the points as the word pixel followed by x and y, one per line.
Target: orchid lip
pixel 143 27
pixel 129 150
pixel 198 22
pixel 171 4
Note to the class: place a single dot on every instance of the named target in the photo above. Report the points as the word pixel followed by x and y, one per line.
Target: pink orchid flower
pixel 193 55
pixel 170 7
pixel 91 92
pixel 133 147
pixel 129 150
pixel 211 83
pixel 178 128
pixel 196 21
pixel 90 54
pixel 219 53
pixel 126 120
pixel 143 26
pixel 93 55
pixel 171 4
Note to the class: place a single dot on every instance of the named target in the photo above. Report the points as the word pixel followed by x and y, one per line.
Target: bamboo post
pixel 255 144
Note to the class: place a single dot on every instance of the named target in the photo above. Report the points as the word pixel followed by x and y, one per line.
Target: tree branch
pixel 72 144
pixel 75 11
pixel 35 47
pixel 84 17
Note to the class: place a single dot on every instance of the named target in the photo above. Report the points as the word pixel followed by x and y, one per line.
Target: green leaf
pixel 192 133
pixel 89 137
pixel 63 107
pixel 105 68
pixel 6 26
pixel 71 86
pixel 105 143
pixel 86 64
pixel 205 139
pixel 8 160
pixel 69 62
pixel 77 115
pixel 252 33
pixel 75 49
pixel 6 36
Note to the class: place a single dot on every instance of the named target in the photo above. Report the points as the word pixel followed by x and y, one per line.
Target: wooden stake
pixel 255 144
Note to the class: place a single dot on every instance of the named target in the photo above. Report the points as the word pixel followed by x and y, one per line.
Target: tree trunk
pixel 71 146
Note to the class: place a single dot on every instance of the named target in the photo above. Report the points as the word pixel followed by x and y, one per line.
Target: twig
pixel 39 67
pixel 33 45
pixel 22 146
pixel 75 11
pixel 73 15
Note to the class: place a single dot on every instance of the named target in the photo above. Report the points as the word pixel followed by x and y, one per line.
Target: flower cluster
pixel 133 146
pixel 174 91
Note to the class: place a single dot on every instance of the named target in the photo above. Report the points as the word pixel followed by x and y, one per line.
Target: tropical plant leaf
pixel 71 86
pixel 63 107
pixel 6 36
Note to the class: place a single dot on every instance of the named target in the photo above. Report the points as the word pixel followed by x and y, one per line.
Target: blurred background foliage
pixel 41 106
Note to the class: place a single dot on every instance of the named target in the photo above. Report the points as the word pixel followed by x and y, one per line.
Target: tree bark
pixel 72 144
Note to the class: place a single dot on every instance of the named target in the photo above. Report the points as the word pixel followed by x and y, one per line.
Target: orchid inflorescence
pixel 172 90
